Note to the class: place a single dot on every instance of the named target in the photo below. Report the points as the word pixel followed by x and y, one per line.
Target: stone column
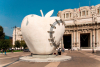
pixel 96 38
pixel 65 15
pixel 93 37
pixel 73 38
pixel 77 39
pixel 98 32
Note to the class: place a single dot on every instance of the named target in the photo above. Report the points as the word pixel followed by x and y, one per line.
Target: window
pixel 86 12
pixel 70 14
pixel 98 11
pixel 80 13
pixel 83 13
pixel 64 15
pixel 67 15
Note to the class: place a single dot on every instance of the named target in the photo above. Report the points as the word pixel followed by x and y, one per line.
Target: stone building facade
pixel 17 35
pixel 82 28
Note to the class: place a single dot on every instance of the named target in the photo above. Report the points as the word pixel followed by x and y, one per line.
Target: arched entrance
pixel 85 40
pixel 67 41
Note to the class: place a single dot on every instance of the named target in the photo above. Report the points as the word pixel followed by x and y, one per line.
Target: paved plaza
pixel 79 59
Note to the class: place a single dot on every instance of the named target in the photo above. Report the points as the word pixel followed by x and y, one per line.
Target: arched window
pixel 70 15
pixel 80 13
pixel 86 12
pixel 98 10
pixel 64 15
pixel 67 15
pixel 83 13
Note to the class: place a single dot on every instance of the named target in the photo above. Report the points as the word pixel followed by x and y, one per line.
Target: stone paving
pixel 95 55
pixel 79 59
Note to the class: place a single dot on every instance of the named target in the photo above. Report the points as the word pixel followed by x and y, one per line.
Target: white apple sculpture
pixel 42 34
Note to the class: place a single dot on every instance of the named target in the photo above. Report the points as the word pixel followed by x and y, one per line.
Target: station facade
pixel 82 30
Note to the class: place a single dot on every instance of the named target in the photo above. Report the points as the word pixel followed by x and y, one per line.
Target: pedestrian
pixel 12 50
pixel 69 50
pixel 1 51
pixel 63 49
pixel 5 51
pixel 59 52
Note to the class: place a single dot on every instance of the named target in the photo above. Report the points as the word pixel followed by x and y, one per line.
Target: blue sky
pixel 12 12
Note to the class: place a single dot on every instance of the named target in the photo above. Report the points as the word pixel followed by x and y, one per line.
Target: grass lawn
pixel 8 51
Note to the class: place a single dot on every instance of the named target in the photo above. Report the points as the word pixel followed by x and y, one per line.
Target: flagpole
pixel 79 6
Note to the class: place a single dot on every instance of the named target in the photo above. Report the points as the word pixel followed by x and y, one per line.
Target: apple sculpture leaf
pixel 49 13
pixel 42 34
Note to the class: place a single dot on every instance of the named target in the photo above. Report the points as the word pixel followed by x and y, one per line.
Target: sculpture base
pixel 45 58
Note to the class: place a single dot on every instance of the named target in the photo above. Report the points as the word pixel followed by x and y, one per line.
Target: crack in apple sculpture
pixel 42 34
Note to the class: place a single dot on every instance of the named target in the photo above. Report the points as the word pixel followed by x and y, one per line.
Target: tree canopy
pixel 23 44
pixel 17 44
pixel 4 43
pixel 2 35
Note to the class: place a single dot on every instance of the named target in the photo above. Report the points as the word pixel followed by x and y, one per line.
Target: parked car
pixel 26 50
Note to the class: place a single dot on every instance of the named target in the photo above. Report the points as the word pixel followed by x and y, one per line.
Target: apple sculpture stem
pixel 41 13
pixel 42 34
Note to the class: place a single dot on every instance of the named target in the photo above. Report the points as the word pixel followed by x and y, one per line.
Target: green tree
pixel 1 43
pixel 17 44
pixel 2 35
pixel 10 43
pixel 5 44
pixel 22 43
